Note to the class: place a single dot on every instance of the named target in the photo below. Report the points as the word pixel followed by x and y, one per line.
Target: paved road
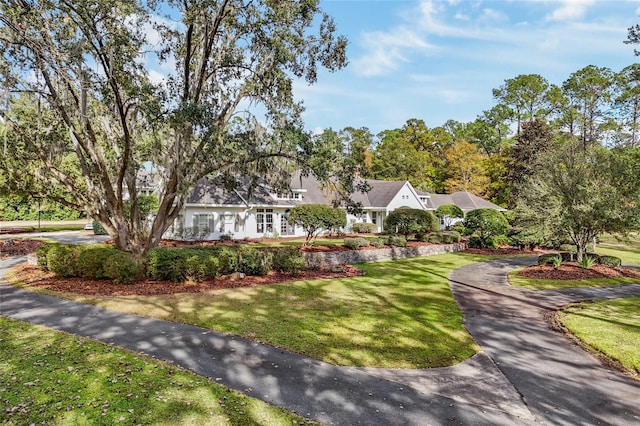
pixel 560 383
pixel 73 237
pixel 503 385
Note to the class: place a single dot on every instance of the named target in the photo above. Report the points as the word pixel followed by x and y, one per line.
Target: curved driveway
pixel 559 382
pixel 519 378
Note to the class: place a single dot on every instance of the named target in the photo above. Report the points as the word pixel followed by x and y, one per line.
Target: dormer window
pixel 290 196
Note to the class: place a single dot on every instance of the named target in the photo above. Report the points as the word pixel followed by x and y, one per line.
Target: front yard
pixel 400 314
pixel 49 377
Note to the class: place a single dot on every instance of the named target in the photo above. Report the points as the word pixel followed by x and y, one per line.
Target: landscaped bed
pixel 572 275
pixel 36 278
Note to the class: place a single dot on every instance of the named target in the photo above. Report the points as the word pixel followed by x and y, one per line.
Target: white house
pixel 239 213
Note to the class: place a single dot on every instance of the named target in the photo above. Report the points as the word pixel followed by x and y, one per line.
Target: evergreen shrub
pixel 61 259
pixel 610 261
pixel 91 261
pixel 122 268
pixel 288 260
pixel 364 228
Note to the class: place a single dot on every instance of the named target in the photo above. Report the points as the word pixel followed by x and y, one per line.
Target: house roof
pixel 381 194
pixel 465 200
pixel 213 191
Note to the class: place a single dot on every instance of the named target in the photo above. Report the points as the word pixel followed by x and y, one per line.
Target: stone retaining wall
pixel 328 259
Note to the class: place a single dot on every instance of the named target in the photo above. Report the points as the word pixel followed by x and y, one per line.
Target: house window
pixel 202 221
pixel 264 220
pixel 374 217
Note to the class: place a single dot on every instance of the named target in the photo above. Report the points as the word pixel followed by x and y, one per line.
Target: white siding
pixel 406 197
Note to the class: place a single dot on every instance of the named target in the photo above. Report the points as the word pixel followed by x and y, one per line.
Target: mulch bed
pixel 34 276
pixel 11 247
pixel 573 271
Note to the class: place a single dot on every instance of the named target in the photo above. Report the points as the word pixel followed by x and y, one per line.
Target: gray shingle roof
pixel 465 200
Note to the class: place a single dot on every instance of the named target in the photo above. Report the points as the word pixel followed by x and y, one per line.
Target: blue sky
pixel 439 60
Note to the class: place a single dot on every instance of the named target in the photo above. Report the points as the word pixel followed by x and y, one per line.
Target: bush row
pixel 446 237
pixel 95 261
pixel 100 261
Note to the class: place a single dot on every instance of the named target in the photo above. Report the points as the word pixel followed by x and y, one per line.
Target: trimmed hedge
pixel 396 240
pixel 610 261
pixel 377 242
pixel 42 252
pixel 122 268
pixel 355 243
pixel 288 260
pixel 61 259
pixel 167 264
pixel 91 261
pixel 434 238
pixel 364 228
pixel 254 262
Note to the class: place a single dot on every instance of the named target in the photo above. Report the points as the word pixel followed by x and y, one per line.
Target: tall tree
pixel 465 166
pixel 627 104
pixel 578 193
pixel 526 96
pixel 396 158
pixel 94 109
pixel 532 143
pixel 588 91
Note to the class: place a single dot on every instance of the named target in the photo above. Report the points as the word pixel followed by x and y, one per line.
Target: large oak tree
pixel 97 89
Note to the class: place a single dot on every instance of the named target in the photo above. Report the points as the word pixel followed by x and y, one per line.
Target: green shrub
pixel 411 221
pixel 91 261
pixel 227 258
pixel 434 238
pixel 42 252
pixel 396 240
pixel 364 228
pixel 486 225
pixel 446 237
pixel 567 256
pixel 288 260
pixel 588 260
pixel 122 267
pixel 556 261
pixel 254 262
pixel 460 229
pixel 547 259
pixel 355 243
pixel 610 261
pixel 421 236
pixel 453 235
pixel 167 264
pixel 377 242
pixel 98 229
pixel 201 265
pixel 477 242
pixel 61 259
pixel 501 240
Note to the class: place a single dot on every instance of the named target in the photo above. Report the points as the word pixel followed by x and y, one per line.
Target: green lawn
pixel 628 250
pixel 49 377
pixel 544 284
pixel 401 314
pixel 612 327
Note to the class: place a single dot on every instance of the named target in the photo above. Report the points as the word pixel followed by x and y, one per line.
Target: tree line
pixel 492 155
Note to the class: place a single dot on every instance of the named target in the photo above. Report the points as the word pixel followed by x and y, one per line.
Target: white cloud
pixel 386 50
pixel 570 10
